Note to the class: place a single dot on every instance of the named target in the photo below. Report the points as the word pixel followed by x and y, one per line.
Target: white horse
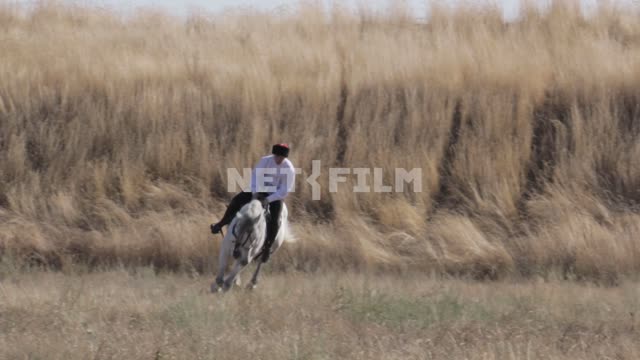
pixel 244 241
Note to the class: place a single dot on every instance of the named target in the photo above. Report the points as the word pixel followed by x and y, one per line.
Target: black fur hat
pixel 280 149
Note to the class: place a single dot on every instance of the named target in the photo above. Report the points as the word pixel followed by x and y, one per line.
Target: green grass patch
pixel 420 312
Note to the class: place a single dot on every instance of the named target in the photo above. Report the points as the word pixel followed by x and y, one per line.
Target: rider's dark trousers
pixel 242 198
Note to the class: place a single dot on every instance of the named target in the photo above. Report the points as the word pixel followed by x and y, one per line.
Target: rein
pixel 246 238
pixel 243 244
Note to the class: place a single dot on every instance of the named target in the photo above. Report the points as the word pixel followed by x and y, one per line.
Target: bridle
pixel 243 243
pixel 247 234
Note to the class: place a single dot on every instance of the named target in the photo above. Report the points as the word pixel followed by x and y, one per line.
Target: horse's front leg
pixel 254 278
pixel 231 277
pixel 222 265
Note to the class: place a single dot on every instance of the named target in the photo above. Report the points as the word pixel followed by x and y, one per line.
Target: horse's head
pixel 249 230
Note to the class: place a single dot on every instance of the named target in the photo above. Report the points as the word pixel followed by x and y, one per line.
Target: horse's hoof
pixel 227 286
pixel 215 288
pixel 252 286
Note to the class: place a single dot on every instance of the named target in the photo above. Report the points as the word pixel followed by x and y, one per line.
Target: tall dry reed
pixel 116 133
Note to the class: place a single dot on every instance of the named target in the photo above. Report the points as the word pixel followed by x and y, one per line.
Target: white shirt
pixel 276 180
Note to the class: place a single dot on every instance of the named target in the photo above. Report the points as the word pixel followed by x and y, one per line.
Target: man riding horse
pixel 271 189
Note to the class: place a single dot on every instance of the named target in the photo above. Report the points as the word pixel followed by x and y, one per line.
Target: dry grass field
pixel 137 314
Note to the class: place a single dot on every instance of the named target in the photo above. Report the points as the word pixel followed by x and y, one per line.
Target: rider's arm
pixel 284 186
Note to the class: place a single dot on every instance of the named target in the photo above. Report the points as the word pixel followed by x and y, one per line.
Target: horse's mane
pixel 248 216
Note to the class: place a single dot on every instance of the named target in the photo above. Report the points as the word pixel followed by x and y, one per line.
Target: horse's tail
pixel 289 236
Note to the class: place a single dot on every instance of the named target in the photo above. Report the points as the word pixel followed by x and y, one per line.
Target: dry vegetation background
pixel 116 133
pixel 115 136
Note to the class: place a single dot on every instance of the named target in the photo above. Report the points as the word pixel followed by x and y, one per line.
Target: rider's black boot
pixel 216 228
pixel 236 203
pixel 266 251
pixel 273 226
